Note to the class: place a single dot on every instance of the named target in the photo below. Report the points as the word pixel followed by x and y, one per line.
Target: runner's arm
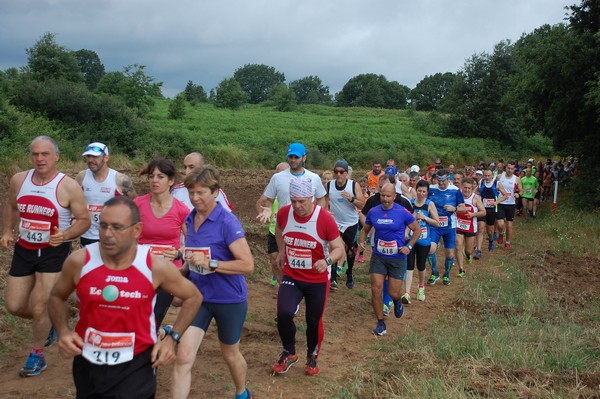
pixel 10 212
pixel 434 218
pixel 280 260
pixel 359 199
pixel 167 277
pixel 125 185
pixel 263 208
pixel 69 342
pixel 71 192
pixel 480 208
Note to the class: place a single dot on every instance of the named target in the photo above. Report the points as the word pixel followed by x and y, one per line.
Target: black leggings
pixel 161 307
pixel 291 293
pixel 421 252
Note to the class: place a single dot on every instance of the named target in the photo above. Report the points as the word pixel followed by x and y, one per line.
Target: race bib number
pixel 464 224
pixel 528 191
pixel 34 231
pixel 95 211
pixel 443 221
pixel 342 228
pixel 187 255
pixel 488 203
pixel 299 258
pixel 103 348
pixel 158 249
pixel 387 247
pixel 423 235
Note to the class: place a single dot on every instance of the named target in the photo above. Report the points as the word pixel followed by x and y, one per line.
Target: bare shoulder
pixel 80 176
pixel 18 178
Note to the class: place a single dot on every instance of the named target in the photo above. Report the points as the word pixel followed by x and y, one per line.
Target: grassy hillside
pixel 257 136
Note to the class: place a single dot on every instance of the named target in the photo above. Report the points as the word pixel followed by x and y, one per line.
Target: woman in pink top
pixel 163 221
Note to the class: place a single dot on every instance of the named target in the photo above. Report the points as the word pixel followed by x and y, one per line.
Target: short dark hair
pixel 377 162
pixel 128 202
pixel 442 172
pixel 164 165
pixel 469 180
pixel 422 183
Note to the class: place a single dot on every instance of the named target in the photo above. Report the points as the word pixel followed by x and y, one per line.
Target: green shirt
pixel 274 210
pixel 530 184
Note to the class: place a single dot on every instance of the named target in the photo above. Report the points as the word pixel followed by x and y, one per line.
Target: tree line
pixel 547 83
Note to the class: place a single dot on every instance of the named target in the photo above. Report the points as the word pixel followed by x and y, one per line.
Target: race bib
pixel 423 233
pixel 443 221
pixel 488 203
pixel 95 211
pixel 528 190
pixel 187 255
pixel 387 247
pixel 158 249
pixel 464 224
pixel 342 228
pixel 34 231
pixel 108 349
pixel 299 258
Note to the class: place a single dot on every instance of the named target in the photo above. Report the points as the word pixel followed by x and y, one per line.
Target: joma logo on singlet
pixel 116 279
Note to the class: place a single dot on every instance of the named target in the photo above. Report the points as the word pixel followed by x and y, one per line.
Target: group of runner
pixel 180 245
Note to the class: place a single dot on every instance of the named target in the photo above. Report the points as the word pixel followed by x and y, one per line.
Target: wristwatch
pixel 409 247
pixel 175 335
pixel 328 261
pixel 213 264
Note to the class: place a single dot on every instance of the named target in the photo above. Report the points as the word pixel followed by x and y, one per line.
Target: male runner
pixel 448 200
pixel 374 174
pixel 345 198
pixel 492 193
pixel 192 161
pixel 114 343
pixel 100 183
pixel 304 233
pixel 41 203
pixel 390 249
pixel 506 210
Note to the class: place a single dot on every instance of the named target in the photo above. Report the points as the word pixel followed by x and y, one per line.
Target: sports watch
pixel 175 335
pixel 213 264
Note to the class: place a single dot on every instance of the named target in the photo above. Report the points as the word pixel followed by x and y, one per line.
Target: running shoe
pixel 406 298
pixel 386 310
pixel 495 236
pixel 478 254
pixel 249 394
pixel 361 258
pixel 350 284
pixel 491 246
pixel 461 273
pixel 333 285
pixel 286 360
pixel 507 246
pixel 500 238
pixel 380 328
pixel 344 267
pixel 421 294
pixel 470 259
pixel 51 337
pixel 311 366
pixel 432 279
pixel 273 281
pixel 446 281
pixel 398 308
pixel 34 365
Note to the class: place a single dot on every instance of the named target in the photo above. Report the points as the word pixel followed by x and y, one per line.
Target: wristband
pixel 409 247
pixel 179 255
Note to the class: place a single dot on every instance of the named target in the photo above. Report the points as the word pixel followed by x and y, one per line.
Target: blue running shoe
pixel 380 328
pixel 477 254
pixel 34 365
pixel 491 246
pixel 398 308
pixel 495 237
pixel 51 337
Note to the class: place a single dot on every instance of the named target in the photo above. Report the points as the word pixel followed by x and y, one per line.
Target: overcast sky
pixel 206 41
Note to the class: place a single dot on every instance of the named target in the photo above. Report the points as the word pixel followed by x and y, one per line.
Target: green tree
pixel 430 92
pixel 257 80
pixel 310 90
pixel 90 66
pixel 194 93
pixel 177 107
pixel 283 98
pixel 371 90
pixel 229 94
pixel 133 85
pixel 47 60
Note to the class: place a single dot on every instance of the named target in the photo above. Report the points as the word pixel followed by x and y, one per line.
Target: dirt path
pixel 348 324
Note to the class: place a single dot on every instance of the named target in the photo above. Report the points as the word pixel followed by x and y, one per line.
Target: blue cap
pixel 296 149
